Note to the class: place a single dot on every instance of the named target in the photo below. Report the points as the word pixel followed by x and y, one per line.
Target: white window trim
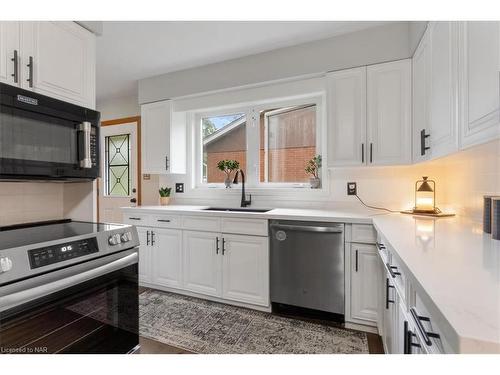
pixel 253 183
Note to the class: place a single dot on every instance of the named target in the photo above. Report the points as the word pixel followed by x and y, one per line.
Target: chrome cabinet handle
pixel 30 71
pixel 15 59
pixel 425 334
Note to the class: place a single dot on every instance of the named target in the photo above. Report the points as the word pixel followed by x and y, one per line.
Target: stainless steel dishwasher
pixel 307 265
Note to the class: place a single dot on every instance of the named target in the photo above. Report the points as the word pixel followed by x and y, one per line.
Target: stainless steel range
pixel 68 287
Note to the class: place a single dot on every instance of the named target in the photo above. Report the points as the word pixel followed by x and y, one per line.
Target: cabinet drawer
pixel 132 218
pixel 203 223
pixel 363 233
pixel 257 227
pixel 165 221
pixel 399 278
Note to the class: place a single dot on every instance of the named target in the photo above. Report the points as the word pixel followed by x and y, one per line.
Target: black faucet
pixel 244 201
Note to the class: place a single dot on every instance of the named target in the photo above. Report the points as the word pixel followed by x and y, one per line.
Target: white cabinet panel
pixel 202 263
pixel 167 257
pixel 347 117
pixel 389 113
pixel 64 61
pixel 144 255
pixel 257 227
pixel 155 120
pixel 246 269
pixel 443 87
pixel 9 44
pixel 389 313
pixel 479 71
pixel 421 97
pixel 364 282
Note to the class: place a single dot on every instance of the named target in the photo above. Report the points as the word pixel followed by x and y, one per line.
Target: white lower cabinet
pixel 202 263
pixel 166 254
pixel 245 269
pixel 144 255
pixel 389 316
pixel 364 283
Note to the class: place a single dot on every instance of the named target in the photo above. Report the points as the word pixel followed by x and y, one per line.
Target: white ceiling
pixel 129 51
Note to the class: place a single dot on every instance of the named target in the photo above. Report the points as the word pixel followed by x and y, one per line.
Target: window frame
pixel 252 113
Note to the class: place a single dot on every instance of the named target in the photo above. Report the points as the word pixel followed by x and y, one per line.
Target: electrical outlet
pixel 179 187
pixel 352 188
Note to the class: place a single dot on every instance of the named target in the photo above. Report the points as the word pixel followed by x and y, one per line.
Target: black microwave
pixel 45 138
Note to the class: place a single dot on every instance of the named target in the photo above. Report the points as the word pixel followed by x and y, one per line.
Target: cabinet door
pixel 421 97
pixel 155 119
pixel 347 117
pixel 364 282
pixel 63 61
pixel 399 327
pixel 480 100
pixel 389 113
pixel 144 255
pixel 443 67
pixel 167 257
pixel 9 43
pixel 202 262
pixel 390 297
pixel 245 275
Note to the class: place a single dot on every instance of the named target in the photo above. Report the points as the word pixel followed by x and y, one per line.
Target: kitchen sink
pixel 242 209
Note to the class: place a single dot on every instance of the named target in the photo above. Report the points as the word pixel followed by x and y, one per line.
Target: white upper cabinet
pixel 421 96
pixel 163 139
pixel 479 82
pixel 63 61
pixel 10 52
pixel 389 113
pixel 56 59
pixel 443 88
pixel 347 117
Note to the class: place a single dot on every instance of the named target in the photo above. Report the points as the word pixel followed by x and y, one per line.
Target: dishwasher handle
pixel 306 228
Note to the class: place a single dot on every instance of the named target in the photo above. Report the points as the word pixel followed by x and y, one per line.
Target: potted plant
pixel 165 195
pixel 312 168
pixel 228 167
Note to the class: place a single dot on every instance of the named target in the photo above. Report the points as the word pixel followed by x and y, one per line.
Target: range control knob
pixel 115 239
pixel 126 237
pixel 5 264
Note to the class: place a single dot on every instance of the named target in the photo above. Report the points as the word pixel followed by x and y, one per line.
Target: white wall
pixel 370 46
pixel 115 108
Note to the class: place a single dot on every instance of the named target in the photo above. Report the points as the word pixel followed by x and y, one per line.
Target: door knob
pixel 133 200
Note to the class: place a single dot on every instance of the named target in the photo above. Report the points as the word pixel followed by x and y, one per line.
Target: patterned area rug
pixel 208 327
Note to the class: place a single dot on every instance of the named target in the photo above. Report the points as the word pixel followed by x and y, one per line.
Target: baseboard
pixel 361 327
pixel 203 296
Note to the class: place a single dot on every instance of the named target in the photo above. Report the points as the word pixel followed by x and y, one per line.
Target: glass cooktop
pixel 34 233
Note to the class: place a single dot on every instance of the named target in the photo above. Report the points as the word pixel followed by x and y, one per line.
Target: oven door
pixel 45 138
pixel 94 311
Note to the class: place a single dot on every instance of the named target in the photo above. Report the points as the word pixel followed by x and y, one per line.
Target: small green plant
pixel 165 192
pixel 313 166
pixel 228 166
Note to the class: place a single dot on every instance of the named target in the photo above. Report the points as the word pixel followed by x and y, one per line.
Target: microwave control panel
pixel 59 253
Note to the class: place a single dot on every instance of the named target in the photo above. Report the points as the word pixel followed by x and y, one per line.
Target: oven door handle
pixel 85 129
pixel 15 299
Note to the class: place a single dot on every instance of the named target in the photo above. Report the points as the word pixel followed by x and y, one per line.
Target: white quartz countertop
pixel 344 215
pixel 458 267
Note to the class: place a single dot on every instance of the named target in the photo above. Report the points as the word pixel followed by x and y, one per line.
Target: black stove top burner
pixel 33 233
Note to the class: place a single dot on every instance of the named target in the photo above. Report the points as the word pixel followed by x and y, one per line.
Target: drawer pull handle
pixel 163 220
pixel 408 340
pixel 380 246
pixel 391 270
pixel 418 321
pixel 134 218
pixel 147 238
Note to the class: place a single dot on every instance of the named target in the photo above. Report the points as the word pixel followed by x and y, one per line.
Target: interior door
pixel 167 257
pixel 202 262
pixel 118 182
pixel 245 269
pixel 9 43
